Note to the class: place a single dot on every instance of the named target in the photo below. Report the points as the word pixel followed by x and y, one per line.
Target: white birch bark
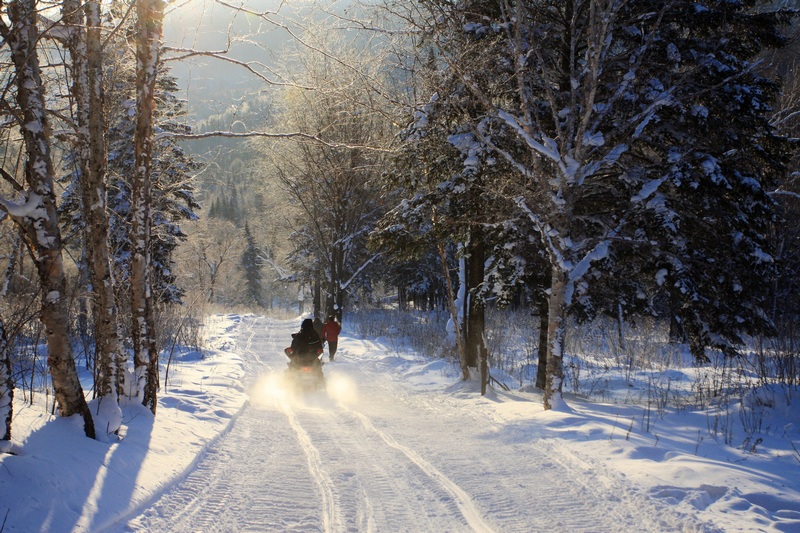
pixel 85 46
pixel 37 215
pixel 150 15
pixel 6 388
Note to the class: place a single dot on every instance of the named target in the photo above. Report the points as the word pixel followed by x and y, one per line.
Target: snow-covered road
pixel 374 454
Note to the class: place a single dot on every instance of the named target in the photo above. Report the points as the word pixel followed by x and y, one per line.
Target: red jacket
pixel 331 330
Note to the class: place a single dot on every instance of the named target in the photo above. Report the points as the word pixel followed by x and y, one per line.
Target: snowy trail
pixel 372 456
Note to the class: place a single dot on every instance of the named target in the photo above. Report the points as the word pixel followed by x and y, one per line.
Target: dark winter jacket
pixel 331 330
pixel 307 341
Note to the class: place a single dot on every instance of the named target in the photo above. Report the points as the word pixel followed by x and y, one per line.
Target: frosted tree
pixel 784 308
pixel 444 173
pixel 251 265
pixel 603 108
pixel 81 26
pixel 150 16
pixel 172 190
pixel 331 178
pixel 36 213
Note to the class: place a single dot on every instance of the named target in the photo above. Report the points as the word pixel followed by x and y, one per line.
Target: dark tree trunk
pixel 317 294
pixel 6 387
pixel 541 367
pixel 477 354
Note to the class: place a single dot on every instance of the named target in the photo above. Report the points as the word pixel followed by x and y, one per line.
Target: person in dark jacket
pixel 304 352
pixel 306 344
pixel 330 334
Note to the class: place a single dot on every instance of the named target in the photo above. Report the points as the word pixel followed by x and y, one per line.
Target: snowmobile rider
pixel 306 344
pixel 330 334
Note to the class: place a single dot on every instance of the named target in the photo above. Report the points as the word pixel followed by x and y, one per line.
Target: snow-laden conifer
pixel 637 131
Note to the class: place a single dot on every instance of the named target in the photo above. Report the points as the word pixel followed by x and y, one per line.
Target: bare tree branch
pixel 252 134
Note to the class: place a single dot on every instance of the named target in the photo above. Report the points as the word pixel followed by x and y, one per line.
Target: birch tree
pixel 6 388
pixel 84 42
pixel 36 213
pixel 150 15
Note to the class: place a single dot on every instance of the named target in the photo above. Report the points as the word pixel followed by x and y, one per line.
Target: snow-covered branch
pixel 282 273
pixel 779 192
pixel 187 53
pixel 550 151
pixel 544 230
pixel 273 135
pixel 347 283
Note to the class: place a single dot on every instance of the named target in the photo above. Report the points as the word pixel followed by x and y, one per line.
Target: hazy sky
pixel 211 85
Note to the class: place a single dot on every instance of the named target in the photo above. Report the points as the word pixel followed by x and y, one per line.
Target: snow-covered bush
pixel 423 332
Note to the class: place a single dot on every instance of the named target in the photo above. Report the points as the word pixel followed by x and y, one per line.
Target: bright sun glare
pixel 270 390
pixel 342 389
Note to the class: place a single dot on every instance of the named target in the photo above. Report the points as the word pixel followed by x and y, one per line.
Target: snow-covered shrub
pixel 423 332
pixel 512 340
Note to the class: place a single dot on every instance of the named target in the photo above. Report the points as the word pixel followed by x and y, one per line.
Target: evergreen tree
pixel 251 266
pixel 637 132
pixel 173 199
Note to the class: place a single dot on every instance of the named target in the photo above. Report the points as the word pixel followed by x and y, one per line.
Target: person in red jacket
pixel 330 334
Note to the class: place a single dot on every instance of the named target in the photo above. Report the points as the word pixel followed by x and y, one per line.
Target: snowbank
pixel 60 481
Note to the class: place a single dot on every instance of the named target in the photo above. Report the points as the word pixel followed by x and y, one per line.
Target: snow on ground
pixel 61 481
pixel 397 443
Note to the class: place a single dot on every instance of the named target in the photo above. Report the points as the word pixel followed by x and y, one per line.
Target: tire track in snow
pixel 377 486
pixel 331 518
pixel 251 328
pixel 323 465
pixel 251 483
pixel 465 504
pixel 251 480
pixel 550 490
pixel 330 515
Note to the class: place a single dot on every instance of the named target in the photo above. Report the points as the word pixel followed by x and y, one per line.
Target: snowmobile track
pixel 462 499
pixel 391 460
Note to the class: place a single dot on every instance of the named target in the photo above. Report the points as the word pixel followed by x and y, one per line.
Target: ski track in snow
pixel 390 460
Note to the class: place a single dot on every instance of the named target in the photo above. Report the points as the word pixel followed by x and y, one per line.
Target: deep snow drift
pixel 397 443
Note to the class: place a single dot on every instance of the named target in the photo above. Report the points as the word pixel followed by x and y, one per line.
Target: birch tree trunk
pixel 85 48
pixel 38 216
pixel 95 193
pixel 556 312
pixel 150 15
pixel 6 387
pixel 451 300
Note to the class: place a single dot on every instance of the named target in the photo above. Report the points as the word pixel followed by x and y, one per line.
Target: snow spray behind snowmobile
pixel 304 373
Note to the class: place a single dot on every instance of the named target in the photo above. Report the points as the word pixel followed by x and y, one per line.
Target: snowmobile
pixel 304 372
